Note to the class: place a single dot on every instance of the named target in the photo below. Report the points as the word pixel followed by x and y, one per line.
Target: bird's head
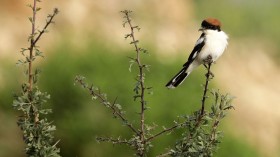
pixel 210 24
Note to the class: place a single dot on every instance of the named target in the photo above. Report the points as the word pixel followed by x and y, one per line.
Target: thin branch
pixel 166 130
pixel 140 77
pixel 31 46
pixel 111 140
pixel 49 21
pixel 165 154
pixel 104 102
pixel 209 76
pixel 34 114
pixel 33 42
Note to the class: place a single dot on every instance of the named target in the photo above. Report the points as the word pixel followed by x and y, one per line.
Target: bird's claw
pixel 208 60
pixel 205 65
pixel 209 75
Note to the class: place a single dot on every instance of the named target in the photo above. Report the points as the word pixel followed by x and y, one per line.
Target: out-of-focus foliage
pixel 108 68
pixel 80 120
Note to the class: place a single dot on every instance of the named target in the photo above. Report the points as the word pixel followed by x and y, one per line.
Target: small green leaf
pixel 94 97
pixel 30 19
pixel 118 106
pixel 38 9
pixel 29 5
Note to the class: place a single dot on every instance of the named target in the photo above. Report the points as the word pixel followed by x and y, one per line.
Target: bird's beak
pixel 201 29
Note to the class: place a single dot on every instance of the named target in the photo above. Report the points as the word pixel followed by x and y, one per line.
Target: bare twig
pixel 165 154
pixel 111 140
pixel 208 62
pixel 34 40
pixel 208 74
pixel 48 22
pixel 140 78
pixel 102 100
pixel 166 130
pixel 31 48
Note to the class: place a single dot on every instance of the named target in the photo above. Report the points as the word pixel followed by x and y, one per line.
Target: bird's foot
pixel 205 65
pixel 208 60
pixel 210 75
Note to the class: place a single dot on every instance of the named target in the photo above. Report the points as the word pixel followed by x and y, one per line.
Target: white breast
pixel 215 45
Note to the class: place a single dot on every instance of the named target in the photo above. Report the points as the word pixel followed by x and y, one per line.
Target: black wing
pixel 197 48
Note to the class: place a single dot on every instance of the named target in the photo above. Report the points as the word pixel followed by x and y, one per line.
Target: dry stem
pixel 31 48
pixel 140 79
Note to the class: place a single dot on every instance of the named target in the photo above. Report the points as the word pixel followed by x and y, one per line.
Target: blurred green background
pixel 88 39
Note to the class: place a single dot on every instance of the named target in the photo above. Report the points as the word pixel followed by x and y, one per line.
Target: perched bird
pixel 211 44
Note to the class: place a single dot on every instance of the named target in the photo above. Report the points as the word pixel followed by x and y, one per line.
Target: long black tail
pixel 178 78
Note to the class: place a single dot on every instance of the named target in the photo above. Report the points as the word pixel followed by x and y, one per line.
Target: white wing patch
pixel 194 55
pixel 199 41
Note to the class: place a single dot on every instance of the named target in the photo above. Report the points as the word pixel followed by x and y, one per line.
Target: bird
pixel 211 44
